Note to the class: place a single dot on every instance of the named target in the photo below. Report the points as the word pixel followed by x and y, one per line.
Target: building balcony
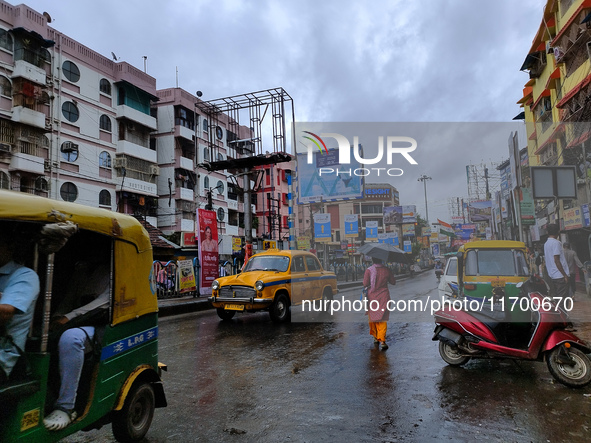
pixel 232 230
pixel 184 132
pixel 186 163
pixel 27 163
pixel 187 225
pixel 233 204
pixel 30 72
pixel 124 111
pixel 128 148
pixel 138 186
pixel 27 116
pixel 186 194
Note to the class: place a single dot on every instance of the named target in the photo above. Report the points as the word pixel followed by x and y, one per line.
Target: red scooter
pixel 491 333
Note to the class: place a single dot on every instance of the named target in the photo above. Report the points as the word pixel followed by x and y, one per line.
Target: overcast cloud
pixel 381 61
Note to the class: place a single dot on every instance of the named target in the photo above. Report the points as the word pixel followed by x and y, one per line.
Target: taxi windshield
pixel 267 263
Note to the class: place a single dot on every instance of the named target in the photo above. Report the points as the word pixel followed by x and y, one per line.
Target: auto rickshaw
pixel 121 379
pixel 491 270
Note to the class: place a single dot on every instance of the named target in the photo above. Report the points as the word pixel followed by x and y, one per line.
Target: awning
pixel 520 116
pixel 545 93
pixel 563 29
pixel 555 75
pixel 580 139
pixel 573 92
pixel 530 60
pixel 553 137
pixel 527 93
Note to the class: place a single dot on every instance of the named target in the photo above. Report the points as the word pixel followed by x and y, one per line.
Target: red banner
pixel 207 233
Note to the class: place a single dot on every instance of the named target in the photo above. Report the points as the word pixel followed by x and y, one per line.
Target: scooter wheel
pixel 452 355
pixel 575 375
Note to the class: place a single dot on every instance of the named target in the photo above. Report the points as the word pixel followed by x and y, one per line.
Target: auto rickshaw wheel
pixel 279 311
pixel 132 422
pixel 575 374
pixel 225 314
pixel 451 355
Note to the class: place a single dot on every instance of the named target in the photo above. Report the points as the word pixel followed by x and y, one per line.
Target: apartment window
pixel 105 198
pixel 205 124
pixel 5 87
pixel 206 154
pixel 69 192
pixel 71 71
pixel 4 181
pixel 206 182
pixel 220 187
pixel 69 151
pixel 70 112
pixel 105 160
pixel 5 40
pixel 105 123
pixel 105 86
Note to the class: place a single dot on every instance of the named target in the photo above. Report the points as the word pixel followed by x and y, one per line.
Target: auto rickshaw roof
pixel 26 207
pixel 494 244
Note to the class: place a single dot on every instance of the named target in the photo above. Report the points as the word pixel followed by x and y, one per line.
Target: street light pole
pixel 423 178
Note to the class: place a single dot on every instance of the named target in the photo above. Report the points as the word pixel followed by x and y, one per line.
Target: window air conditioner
pixel 120 162
pixel 154 170
pixel 4 147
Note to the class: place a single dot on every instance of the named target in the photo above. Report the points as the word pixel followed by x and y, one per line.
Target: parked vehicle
pixel 499 333
pixel 120 380
pixel 273 280
pixel 450 275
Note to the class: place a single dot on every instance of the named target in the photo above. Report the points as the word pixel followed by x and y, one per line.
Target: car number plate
pixel 234 307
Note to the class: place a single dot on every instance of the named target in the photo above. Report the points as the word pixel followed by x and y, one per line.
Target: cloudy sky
pixel 340 61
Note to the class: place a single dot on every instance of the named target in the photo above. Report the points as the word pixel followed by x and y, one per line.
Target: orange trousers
pixel 378 330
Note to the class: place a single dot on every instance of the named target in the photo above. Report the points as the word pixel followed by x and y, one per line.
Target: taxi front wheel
pixel 279 311
pixel 224 314
pixel 132 422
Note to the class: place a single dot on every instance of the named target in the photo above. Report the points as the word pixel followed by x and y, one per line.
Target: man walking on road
pixel 556 265
pixel 572 260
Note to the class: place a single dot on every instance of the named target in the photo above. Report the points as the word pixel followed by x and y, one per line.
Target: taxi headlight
pixel 259 285
pixel 215 285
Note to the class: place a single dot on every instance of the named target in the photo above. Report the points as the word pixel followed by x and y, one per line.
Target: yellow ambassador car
pixel 273 280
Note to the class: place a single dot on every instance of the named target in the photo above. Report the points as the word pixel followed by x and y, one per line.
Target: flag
pixel 446 229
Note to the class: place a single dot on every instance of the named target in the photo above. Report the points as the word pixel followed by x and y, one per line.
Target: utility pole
pixel 423 178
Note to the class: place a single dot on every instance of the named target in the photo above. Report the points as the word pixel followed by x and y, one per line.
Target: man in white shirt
pixel 556 265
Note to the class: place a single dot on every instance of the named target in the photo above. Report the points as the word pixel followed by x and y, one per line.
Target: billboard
pixel 351 225
pixel 207 233
pixel 392 215
pixel 480 210
pixel 409 214
pixel 314 187
pixel 322 227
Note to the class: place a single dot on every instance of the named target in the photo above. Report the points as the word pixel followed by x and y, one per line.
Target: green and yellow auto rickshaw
pixel 121 377
pixel 491 270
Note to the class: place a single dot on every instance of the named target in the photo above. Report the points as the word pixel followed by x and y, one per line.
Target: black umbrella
pixel 385 252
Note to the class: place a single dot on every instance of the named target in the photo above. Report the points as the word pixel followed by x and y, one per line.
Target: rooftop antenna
pixel 199 93
pixel 114 56
pixel 47 17
pixel 145 57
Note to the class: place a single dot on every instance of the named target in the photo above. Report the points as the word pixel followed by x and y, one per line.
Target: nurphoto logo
pixel 394 145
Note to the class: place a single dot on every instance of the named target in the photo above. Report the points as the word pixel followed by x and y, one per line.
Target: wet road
pixel 251 380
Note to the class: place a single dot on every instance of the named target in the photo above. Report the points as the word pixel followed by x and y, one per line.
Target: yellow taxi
pixel 273 280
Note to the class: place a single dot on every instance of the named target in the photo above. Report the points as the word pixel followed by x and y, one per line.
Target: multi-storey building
pixel 557 109
pixel 74 125
pixel 273 203
pixel 81 127
pixel 183 142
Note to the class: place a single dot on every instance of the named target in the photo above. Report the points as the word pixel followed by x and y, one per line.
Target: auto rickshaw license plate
pixel 234 307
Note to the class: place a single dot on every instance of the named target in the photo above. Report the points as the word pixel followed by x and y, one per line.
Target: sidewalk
pixel 184 305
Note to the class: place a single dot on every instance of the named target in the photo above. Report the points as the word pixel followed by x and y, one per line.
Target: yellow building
pixel 557 97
